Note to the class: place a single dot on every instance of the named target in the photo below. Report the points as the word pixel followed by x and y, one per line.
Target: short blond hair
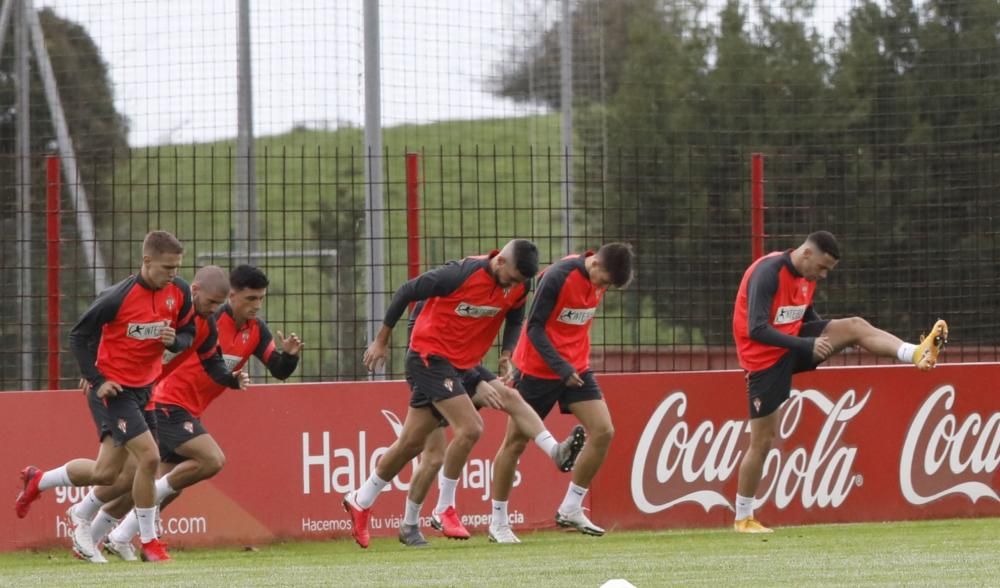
pixel 160 242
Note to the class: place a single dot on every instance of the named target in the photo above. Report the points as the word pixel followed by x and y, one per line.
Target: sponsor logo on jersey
pixel 576 316
pixel 472 311
pixel 789 314
pixel 144 331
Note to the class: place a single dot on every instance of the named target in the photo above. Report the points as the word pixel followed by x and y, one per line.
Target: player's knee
pixel 601 435
pixel 510 397
pixel 213 464
pixel 470 432
pixel 432 460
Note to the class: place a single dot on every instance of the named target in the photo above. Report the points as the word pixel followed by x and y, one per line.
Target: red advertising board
pixel 856 444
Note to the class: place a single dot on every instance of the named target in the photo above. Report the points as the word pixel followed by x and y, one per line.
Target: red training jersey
pixel 556 341
pixel 772 303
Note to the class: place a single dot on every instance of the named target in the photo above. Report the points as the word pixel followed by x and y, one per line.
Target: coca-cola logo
pixel 943 456
pixel 676 462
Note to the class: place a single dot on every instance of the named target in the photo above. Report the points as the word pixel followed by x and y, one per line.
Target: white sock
pixel 573 500
pixel 88 507
pixel 744 507
pixel 446 496
pixel 101 526
pixel 500 518
pixel 547 443
pixel 163 490
pixel 126 529
pixel 412 514
pixel 54 478
pixel 905 352
pixel 368 492
pixel 147 523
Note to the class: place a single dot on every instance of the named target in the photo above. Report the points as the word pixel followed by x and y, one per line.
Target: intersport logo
pixel 676 462
pixel 944 456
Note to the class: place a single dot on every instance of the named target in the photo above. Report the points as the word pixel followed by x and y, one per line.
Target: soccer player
pixel 778 333
pixel 553 365
pixel 467 301
pixel 486 390
pixel 119 343
pixel 189 454
pixel 209 290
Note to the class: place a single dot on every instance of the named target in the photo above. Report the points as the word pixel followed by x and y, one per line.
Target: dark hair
pixel 618 259
pixel 525 258
pixel 161 242
pixel 826 243
pixel 247 276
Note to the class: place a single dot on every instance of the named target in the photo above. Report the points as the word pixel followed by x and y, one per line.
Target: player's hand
pixel 505 368
pixel 374 356
pixel 574 380
pixel 109 389
pixel 84 386
pixel 167 336
pixel 491 398
pixel 822 348
pixel 243 378
pixel 292 345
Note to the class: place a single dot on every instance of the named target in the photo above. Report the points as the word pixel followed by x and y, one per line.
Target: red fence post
pixel 757 205
pixel 413 214
pixel 53 189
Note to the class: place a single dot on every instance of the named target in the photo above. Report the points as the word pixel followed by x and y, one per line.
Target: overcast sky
pixel 173 62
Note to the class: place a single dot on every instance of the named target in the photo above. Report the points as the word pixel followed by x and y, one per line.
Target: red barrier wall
pixel 857 444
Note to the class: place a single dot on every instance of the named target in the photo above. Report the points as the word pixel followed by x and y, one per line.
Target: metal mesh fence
pixel 879 122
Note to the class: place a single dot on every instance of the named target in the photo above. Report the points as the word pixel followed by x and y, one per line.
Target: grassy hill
pixel 484 182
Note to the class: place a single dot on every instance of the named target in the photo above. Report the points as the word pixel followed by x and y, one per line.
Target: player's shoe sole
pixel 30 477
pixel 926 354
pixel 570 449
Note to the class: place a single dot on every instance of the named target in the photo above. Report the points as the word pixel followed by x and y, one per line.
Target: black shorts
pixel 470 381
pixel 432 380
pixel 175 427
pixel 124 416
pixel 770 387
pixel 542 394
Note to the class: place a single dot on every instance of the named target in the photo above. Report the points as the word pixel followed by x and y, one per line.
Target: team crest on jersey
pixel 576 316
pixel 449 384
pixel 789 314
pixel 189 427
pixel 170 303
pixel 143 331
pixel 472 311
pixel 122 426
pixel 246 336
pixel 805 289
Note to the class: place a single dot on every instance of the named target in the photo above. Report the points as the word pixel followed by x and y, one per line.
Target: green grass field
pixel 936 553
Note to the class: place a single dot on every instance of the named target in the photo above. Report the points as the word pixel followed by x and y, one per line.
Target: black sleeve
pixel 811 315
pixel 512 326
pixel 761 289
pixel 85 336
pixel 541 308
pixel 412 320
pixel 185 319
pixel 436 282
pixel 212 362
pixel 281 365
